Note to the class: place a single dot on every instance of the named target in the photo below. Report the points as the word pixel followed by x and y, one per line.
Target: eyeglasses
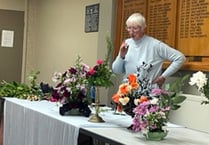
pixel 132 28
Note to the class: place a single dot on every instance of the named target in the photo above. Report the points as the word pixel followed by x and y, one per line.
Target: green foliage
pixel 14 89
pixel 109 49
pixel 175 98
pixel 101 76
pixel 21 90
pixel 177 85
pixel 206 93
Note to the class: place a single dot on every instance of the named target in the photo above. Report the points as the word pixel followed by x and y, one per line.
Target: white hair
pixel 136 19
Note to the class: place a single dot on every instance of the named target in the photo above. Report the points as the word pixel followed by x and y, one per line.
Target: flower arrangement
pixel 150 116
pixel 72 88
pixel 74 85
pixel 126 91
pixel 148 106
pixel 101 74
pixel 134 90
pixel 200 80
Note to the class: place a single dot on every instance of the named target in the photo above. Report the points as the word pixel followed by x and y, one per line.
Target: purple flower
pixel 157 92
pixel 73 70
pixel 149 116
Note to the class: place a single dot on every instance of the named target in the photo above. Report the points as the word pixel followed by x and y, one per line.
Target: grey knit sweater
pixel 150 51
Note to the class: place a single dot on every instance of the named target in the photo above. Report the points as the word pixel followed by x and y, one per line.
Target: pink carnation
pixel 99 61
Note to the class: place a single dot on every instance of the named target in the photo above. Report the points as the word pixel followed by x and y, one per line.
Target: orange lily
pixel 115 98
pixel 123 89
pixel 132 78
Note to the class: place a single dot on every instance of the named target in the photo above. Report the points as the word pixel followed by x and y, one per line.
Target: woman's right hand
pixel 123 49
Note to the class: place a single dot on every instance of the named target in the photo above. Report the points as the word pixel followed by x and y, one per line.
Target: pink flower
pixel 53 99
pixel 157 92
pixel 99 61
pixel 91 71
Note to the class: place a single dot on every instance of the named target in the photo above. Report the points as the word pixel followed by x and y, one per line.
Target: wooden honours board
pixel 161 20
pixel 129 7
pixel 182 24
pixel 193 27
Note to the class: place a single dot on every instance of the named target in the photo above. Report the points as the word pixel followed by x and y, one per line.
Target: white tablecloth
pixel 39 123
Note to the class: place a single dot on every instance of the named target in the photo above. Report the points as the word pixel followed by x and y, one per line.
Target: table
pixel 122 136
pixel 39 123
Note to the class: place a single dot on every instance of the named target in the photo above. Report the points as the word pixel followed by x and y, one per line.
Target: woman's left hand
pixel 159 81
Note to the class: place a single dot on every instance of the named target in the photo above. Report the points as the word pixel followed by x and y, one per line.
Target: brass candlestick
pixel 95 117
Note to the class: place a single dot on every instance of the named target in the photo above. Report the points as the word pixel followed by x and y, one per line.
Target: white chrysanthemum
pixel 154 100
pixel 199 79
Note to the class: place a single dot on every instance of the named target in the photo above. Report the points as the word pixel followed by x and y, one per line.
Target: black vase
pixel 128 108
pixel 81 109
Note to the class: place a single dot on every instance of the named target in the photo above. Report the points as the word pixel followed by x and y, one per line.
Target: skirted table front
pixel 39 123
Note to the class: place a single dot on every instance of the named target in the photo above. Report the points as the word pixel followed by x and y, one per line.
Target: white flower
pixel 56 76
pixel 164 128
pixel 154 100
pixel 136 101
pixel 199 79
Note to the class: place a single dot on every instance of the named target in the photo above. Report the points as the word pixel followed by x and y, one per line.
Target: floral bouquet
pixel 138 88
pixel 101 74
pixel 72 89
pixel 200 80
pixel 134 90
pixel 151 116
pixel 98 76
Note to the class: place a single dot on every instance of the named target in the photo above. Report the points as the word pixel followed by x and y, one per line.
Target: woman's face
pixel 135 32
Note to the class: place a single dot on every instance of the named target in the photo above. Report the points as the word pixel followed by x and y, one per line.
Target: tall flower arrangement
pixel 200 80
pixel 148 106
pixel 101 74
pixel 135 89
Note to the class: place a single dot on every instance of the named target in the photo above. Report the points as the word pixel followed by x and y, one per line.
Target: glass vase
pixel 155 136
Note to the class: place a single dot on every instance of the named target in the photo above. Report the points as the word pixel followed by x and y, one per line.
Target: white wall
pixel 56 29
pixel 55 36
pixel 192 114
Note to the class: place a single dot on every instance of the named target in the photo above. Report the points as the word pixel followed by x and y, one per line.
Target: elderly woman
pixel 141 48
